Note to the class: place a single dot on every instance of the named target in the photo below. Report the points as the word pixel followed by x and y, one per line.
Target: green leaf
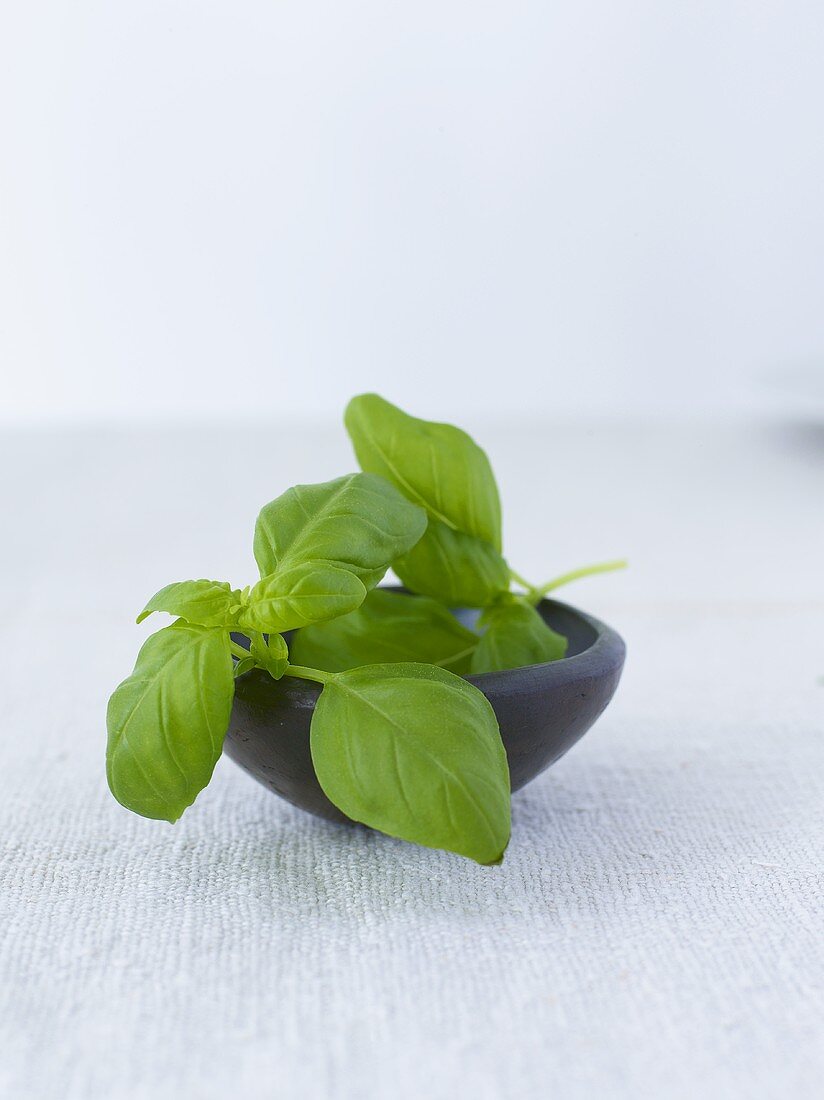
pixel 438 466
pixel 244 665
pixel 207 603
pixel 359 522
pixel 167 721
pixel 459 569
pixel 388 626
pixel 435 465
pixel 301 594
pixel 414 751
pixel 515 635
pixel 271 654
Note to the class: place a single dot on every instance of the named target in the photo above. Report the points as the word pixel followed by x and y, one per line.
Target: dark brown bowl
pixel 542 711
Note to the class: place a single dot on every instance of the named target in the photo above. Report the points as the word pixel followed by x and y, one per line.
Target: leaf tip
pixel 494 862
pixel 361 401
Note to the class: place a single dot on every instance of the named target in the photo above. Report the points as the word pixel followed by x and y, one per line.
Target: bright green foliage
pixel 388 626
pixel 295 595
pixel 399 740
pixel 359 522
pixel 458 569
pixel 207 603
pixel 167 721
pixel 514 634
pixel 271 654
pixel 246 664
pixel 435 465
pixel 319 548
pixel 442 469
pixel 414 751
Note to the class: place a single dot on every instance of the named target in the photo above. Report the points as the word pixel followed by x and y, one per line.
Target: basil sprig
pixel 443 470
pixel 458 561
pixel 399 740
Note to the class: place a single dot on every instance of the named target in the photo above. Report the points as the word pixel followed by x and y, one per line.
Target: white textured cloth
pixel 656 928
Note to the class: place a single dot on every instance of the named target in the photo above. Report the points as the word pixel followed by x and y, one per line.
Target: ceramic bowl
pixel 542 711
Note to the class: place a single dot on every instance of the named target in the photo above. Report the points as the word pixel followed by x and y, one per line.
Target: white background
pixel 223 211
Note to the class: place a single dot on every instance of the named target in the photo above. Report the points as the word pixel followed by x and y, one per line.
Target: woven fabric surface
pixel 656 927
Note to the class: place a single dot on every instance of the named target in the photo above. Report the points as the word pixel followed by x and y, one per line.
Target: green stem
pixel 576 574
pixel 521 581
pixel 238 650
pixel 309 674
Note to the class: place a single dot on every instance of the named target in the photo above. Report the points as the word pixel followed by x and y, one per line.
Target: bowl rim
pixel 605 655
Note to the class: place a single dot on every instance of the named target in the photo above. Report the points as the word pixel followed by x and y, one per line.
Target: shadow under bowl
pixel 542 711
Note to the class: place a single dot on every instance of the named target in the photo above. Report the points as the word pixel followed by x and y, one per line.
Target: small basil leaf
pixel 271 654
pixel 207 603
pixel 515 635
pixel 301 594
pixel 167 721
pixel 435 465
pixel 456 568
pixel 414 751
pixel 391 627
pixel 245 664
pixel 359 522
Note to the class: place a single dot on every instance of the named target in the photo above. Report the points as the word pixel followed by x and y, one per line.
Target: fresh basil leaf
pixel 359 522
pixel 390 627
pixel 300 594
pixel 207 603
pixel 414 751
pixel 435 465
pixel 456 568
pixel 515 635
pixel 244 665
pixel 167 721
pixel 440 467
pixel 270 653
